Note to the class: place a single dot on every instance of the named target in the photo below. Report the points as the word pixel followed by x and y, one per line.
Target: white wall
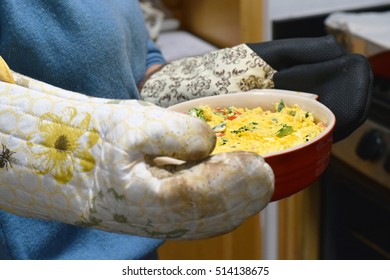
pixel 283 9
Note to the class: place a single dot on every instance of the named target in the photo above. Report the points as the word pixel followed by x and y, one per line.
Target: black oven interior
pixel 355 189
pixel 355 215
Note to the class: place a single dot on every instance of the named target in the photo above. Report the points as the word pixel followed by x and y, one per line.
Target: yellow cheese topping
pixel 259 131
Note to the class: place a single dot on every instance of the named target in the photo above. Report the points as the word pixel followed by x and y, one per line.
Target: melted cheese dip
pixel 259 131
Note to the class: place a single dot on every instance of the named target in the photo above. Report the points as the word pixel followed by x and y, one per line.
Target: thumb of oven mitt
pixel 315 65
pixel 91 162
pixel 342 81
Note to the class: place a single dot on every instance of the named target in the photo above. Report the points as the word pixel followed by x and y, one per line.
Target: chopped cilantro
pixel 284 131
pixel 220 127
pixel 250 127
pixel 241 129
pixel 292 113
pixel 281 105
pixel 197 112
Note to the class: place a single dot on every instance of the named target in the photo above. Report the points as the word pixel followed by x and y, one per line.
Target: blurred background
pixel 346 214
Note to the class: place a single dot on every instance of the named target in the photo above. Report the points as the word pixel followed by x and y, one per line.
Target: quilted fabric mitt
pixel 219 72
pixel 92 162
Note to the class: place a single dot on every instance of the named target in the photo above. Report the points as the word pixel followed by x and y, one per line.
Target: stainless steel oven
pixel 355 189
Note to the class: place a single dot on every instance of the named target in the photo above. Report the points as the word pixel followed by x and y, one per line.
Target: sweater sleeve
pixel 154 55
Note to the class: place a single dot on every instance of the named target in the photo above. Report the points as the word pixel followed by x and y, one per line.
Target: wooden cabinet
pixel 299 225
pixel 223 23
pixel 242 243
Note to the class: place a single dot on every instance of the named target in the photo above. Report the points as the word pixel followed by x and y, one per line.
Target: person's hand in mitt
pixel 92 162
pixel 314 65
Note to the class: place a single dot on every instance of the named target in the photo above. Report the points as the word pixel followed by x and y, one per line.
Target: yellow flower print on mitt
pixel 94 162
pixel 62 143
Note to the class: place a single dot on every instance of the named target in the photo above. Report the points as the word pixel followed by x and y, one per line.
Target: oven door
pixel 355 220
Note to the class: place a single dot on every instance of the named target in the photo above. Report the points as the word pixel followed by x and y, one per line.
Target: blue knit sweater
pixel 97 47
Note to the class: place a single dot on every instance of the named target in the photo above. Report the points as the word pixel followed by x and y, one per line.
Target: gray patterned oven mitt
pixel 219 72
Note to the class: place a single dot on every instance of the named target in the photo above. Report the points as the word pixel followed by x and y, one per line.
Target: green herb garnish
pixel 250 127
pixel 281 105
pixel 230 111
pixel 220 127
pixel 241 129
pixel 197 112
pixel 284 131
pixel 292 113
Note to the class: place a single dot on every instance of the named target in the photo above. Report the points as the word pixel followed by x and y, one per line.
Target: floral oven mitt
pixel 91 162
pixel 219 72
